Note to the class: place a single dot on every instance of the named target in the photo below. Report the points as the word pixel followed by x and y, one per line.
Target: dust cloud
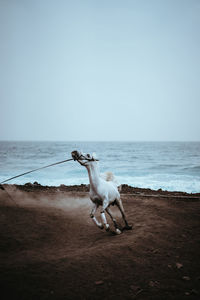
pixel 66 201
pixel 71 203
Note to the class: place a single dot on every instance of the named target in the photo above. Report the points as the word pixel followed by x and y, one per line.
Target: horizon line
pixel 104 141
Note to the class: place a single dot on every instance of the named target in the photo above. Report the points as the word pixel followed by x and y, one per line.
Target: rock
pixel 179 265
pixel 195 292
pixel 169 266
pixel 187 278
pixel 28 184
pixel 134 288
pixel 36 183
pixel 153 283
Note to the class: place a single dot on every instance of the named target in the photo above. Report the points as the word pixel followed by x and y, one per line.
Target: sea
pixel 172 166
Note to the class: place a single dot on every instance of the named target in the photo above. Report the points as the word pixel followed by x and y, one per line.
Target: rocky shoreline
pixel 125 189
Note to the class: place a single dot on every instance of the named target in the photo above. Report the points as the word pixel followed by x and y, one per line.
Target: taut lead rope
pixel 3 188
pixel 57 163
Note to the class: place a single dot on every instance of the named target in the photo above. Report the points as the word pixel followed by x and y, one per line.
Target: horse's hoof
pixel 118 231
pixel 107 227
pixel 128 227
pixel 101 227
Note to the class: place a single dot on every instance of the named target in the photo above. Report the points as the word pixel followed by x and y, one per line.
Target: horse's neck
pixel 94 175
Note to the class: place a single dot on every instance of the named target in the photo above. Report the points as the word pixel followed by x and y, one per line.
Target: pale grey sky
pixel 100 70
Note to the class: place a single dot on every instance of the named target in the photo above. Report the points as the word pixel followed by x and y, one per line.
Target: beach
pixel 50 248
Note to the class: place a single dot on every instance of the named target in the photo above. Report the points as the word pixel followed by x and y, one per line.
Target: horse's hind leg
pixel 114 221
pixel 121 208
pixel 96 222
pixel 103 216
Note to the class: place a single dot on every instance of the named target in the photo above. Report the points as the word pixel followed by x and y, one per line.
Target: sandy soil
pixel 50 249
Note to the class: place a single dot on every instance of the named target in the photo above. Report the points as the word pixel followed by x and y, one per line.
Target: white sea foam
pixel 165 182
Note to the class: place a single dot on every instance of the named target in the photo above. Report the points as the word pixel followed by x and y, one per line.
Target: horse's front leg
pixel 96 222
pixel 103 216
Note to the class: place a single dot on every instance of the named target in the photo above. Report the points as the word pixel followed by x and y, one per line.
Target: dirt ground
pixel 50 249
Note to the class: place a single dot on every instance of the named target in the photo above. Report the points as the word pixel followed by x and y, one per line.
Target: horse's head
pixel 84 159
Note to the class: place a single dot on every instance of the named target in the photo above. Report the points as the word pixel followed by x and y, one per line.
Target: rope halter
pixel 79 157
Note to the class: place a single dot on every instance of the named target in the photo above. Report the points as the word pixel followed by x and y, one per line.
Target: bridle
pixel 82 157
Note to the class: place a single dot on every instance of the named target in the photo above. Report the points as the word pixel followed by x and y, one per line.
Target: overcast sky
pixel 100 70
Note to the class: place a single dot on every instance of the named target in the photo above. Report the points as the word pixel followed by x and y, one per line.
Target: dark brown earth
pixel 50 249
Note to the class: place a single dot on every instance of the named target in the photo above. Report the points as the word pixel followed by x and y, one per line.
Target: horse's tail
pixel 109 176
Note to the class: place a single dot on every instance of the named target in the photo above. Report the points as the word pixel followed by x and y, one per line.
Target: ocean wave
pixel 165 167
pixel 167 182
pixel 196 168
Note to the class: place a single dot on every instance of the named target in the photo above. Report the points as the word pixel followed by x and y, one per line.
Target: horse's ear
pixel 94 155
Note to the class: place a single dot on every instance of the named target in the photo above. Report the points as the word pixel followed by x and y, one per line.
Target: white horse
pixel 102 192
